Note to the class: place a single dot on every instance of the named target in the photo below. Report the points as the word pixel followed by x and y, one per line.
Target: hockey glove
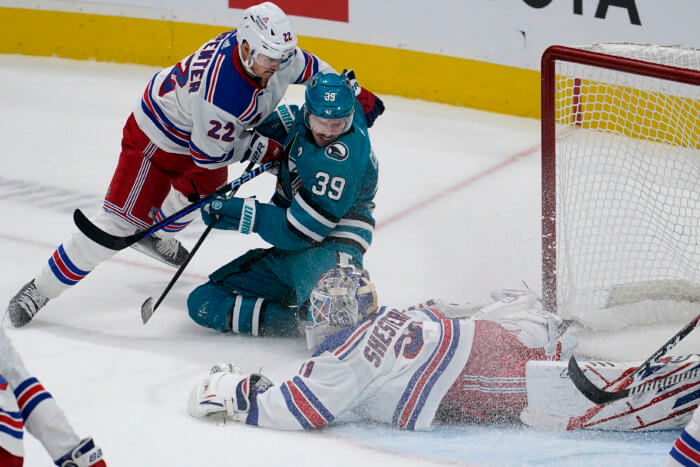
pixel 371 104
pixel 85 454
pixel 230 213
pixel 262 149
pixel 225 391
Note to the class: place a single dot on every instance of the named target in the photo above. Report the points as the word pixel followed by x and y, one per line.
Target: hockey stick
pixel 114 242
pixel 148 308
pixel 600 396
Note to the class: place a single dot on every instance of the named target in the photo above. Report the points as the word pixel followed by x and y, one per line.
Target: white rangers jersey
pixel 25 403
pixel 203 105
pixel 395 368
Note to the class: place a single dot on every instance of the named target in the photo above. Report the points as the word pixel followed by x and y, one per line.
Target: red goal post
pixel 626 121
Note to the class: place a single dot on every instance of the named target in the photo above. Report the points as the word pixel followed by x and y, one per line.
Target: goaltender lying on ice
pixel 438 362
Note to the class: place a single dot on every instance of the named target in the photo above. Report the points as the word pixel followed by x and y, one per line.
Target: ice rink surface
pixel 457 215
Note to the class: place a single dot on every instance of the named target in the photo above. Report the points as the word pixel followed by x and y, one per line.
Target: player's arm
pixel 42 417
pixel 326 195
pixel 322 390
pixel 304 66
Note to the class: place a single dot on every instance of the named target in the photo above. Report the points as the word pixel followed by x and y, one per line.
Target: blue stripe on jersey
pixel 420 372
pixel 291 406
pixel 345 354
pixel 233 92
pixel 27 409
pixel 690 441
pixel 202 157
pixel 18 434
pixel 333 341
pixel 252 418
pixel 317 404
pixel 15 415
pixel 310 68
pixel 154 112
pixel 436 374
pixel 24 385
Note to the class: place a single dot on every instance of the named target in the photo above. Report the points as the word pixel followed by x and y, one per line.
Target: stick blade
pixel 147 310
pixel 590 390
pixel 103 238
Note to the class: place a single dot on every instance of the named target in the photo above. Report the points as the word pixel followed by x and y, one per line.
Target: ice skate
pixel 170 252
pixel 25 304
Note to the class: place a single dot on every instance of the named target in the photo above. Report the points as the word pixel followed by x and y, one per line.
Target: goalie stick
pixel 148 308
pixel 114 242
pixel 600 396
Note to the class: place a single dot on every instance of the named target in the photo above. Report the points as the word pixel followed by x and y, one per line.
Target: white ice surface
pixel 457 215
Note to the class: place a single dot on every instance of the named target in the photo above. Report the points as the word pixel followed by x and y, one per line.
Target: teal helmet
pixel 330 97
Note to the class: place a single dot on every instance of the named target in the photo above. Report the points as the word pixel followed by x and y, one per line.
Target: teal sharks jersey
pixel 326 194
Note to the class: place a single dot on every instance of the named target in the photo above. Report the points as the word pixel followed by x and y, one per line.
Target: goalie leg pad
pixel 553 402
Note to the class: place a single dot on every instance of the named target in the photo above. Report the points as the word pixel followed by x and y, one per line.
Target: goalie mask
pixel 269 34
pixel 342 297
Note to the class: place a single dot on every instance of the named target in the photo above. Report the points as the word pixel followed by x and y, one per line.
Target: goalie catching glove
pixel 230 213
pixel 225 391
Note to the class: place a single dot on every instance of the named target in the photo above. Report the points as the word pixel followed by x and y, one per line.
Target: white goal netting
pixel 627 186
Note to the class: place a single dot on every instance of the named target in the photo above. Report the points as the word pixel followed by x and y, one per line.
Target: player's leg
pixel 10 460
pixel 194 183
pixel 11 422
pixel 247 296
pixel 136 185
pixel 492 384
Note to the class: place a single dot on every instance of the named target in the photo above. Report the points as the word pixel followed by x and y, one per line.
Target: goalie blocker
pixel 554 402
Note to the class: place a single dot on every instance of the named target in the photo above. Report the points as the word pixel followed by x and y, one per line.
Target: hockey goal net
pixel 620 179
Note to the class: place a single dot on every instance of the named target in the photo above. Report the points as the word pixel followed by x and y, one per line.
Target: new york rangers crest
pixel 338 151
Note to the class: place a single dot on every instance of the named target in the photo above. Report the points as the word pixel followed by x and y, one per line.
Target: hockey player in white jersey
pixel 401 367
pixel 412 368
pixel 25 403
pixel 192 120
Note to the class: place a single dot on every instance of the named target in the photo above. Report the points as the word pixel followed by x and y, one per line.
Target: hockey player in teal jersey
pixel 320 216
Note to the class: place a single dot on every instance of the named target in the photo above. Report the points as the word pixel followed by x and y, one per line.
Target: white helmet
pixel 268 32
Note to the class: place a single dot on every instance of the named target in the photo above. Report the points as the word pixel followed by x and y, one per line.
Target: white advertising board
pixel 506 32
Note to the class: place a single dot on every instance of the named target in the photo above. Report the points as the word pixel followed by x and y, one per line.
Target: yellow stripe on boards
pixel 384 70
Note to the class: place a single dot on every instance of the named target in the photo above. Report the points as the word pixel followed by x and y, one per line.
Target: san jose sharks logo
pixel 338 151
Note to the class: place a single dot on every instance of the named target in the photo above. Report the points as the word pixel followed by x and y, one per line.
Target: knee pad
pixel 210 306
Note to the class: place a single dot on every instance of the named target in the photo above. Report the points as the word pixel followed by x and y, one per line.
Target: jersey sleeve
pixel 323 389
pixel 305 65
pixel 42 417
pixel 279 123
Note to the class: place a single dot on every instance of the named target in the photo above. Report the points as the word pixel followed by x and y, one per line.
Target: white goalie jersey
pixel 395 369
pixel 203 105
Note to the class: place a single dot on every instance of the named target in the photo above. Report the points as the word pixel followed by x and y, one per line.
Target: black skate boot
pixel 25 304
pixel 170 252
